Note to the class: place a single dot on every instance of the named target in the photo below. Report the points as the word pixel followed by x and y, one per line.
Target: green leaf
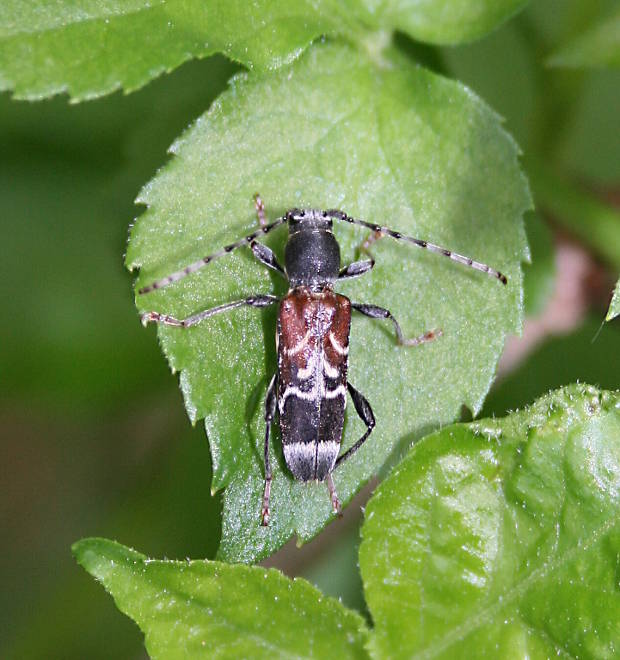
pixel 614 305
pixel 92 47
pixel 89 47
pixel 397 145
pixel 190 609
pixel 501 538
pixel 596 47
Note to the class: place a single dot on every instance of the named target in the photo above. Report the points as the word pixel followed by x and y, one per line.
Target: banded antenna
pixel 197 265
pixel 437 249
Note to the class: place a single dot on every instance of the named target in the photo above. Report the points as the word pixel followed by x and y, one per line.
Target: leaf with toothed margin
pixel 391 144
pixel 500 538
pixel 88 48
pixel 206 609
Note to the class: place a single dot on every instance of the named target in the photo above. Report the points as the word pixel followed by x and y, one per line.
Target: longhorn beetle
pixel 312 338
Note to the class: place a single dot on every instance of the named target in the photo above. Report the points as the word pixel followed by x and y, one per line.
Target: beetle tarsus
pixel 336 506
pixel 156 317
pixel 260 210
pixel 265 514
pixel 430 335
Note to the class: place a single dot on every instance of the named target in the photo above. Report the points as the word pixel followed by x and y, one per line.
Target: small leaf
pixel 190 609
pixel 399 146
pixel 89 48
pixel 92 47
pixel 614 305
pixel 501 538
pixel 597 47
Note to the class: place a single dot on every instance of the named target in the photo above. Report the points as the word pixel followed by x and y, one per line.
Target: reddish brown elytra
pixel 309 389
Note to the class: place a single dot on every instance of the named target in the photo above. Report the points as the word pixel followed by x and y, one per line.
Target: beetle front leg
pixel 375 312
pixel 271 401
pixel 356 269
pixel 266 256
pixel 260 210
pixel 373 237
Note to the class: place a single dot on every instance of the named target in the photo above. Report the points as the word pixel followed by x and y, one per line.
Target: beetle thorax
pixel 312 255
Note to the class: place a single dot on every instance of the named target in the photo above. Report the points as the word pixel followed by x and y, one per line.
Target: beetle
pixel 308 390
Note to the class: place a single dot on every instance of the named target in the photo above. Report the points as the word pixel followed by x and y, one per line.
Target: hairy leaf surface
pixel 92 47
pixel 393 145
pixel 206 609
pixel 501 538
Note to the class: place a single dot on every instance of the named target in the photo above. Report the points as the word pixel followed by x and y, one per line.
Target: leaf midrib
pixel 183 595
pixel 486 614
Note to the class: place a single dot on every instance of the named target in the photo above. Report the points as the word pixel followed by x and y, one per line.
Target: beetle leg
pixel 370 239
pixel 375 312
pixel 260 210
pixel 266 257
pixel 270 410
pixel 363 409
pixel 333 497
pixel 356 269
pixel 253 301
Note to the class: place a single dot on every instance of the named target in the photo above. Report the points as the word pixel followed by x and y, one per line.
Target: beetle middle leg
pixel 253 301
pixel 375 312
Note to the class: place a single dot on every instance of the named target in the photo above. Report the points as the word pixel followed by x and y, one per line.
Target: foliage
pixel 222 610
pixel 502 536
pixel 203 199
pixel 93 47
pixel 350 105
pixel 466 550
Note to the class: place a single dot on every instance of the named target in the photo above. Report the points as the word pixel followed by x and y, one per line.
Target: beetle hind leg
pixel 333 496
pixel 363 409
pixel 270 411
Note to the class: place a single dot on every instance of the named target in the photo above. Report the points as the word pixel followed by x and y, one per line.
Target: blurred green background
pixel 95 441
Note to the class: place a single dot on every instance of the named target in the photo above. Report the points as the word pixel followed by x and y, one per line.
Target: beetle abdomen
pixel 313 340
